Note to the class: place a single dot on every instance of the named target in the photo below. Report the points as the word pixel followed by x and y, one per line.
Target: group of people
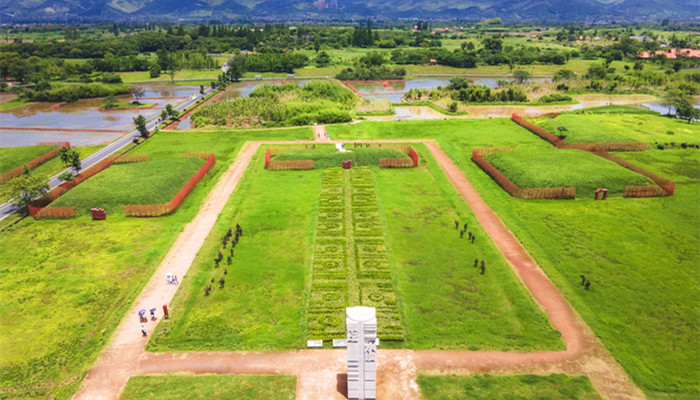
pixel 142 319
pixel 229 236
pixel 585 282
pixel 171 280
pixel 471 236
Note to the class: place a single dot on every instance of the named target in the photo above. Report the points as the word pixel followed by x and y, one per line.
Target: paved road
pixel 8 208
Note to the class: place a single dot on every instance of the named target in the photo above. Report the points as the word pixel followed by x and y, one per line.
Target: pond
pixel 394 89
pixel 663 109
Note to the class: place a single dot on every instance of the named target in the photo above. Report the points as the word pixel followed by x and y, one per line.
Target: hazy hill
pixel 549 10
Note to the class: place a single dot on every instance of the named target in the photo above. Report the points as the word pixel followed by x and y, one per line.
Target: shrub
pixel 554 97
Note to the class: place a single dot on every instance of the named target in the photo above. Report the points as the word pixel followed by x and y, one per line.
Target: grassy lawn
pixel 268 278
pixel 446 303
pixel 265 284
pixel 549 167
pixel 640 254
pixel 525 387
pixel 150 182
pixel 621 127
pixel 210 387
pixel 330 157
pixel 13 157
pixel 72 281
pixel 51 167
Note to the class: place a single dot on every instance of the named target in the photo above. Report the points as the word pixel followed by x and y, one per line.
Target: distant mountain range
pixel 287 10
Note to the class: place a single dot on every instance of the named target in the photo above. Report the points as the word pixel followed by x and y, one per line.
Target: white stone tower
pixel 361 323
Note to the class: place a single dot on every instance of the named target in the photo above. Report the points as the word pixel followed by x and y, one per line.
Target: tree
pixel 201 90
pixel 521 75
pixel 597 71
pixel 168 61
pixel 638 65
pixel 323 59
pixel 75 161
pixel 109 101
pixel 372 59
pixel 317 44
pixel 137 92
pixel 564 74
pixel 140 122
pixel 686 110
pixel 66 176
pixel 493 44
pixel 673 97
pixel 171 111
pixel 64 154
pixel 154 70
pixel 26 187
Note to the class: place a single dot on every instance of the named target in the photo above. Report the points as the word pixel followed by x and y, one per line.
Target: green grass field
pixel 330 157
pixel 549 167
pixel 13 157
pixel 265 284
pixel 621 127
pixel 270 272
pixel 522 387
pixel 640 254
pixel 51 168
pixel 150 182
pixel 445 302
pixel 72 281
pixel 210 387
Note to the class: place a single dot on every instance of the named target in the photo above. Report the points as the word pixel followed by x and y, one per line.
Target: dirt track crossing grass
pixel 89 273
pixel 640 254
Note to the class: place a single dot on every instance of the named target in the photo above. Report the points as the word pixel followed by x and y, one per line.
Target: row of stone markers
pixel 350 264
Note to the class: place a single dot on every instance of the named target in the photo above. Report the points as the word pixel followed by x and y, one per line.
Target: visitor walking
pixel 143 331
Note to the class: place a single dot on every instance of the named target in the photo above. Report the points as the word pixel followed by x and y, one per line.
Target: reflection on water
pixel 415 112
pixel 10 138
pixel 83 115
pixel 663 109
pixel 169 91
pixel 393 90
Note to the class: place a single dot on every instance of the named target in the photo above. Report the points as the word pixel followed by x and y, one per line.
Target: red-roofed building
pixel 689 53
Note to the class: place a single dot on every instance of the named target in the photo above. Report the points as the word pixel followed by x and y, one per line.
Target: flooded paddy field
pixel 82 122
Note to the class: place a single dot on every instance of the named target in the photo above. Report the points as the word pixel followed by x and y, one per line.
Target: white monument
pixel 361 323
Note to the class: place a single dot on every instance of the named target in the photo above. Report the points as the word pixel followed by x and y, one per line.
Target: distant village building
pixel 671 54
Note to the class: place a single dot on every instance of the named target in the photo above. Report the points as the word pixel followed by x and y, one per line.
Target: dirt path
pixel 320 134
pixel 108 376
pixel 320 373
